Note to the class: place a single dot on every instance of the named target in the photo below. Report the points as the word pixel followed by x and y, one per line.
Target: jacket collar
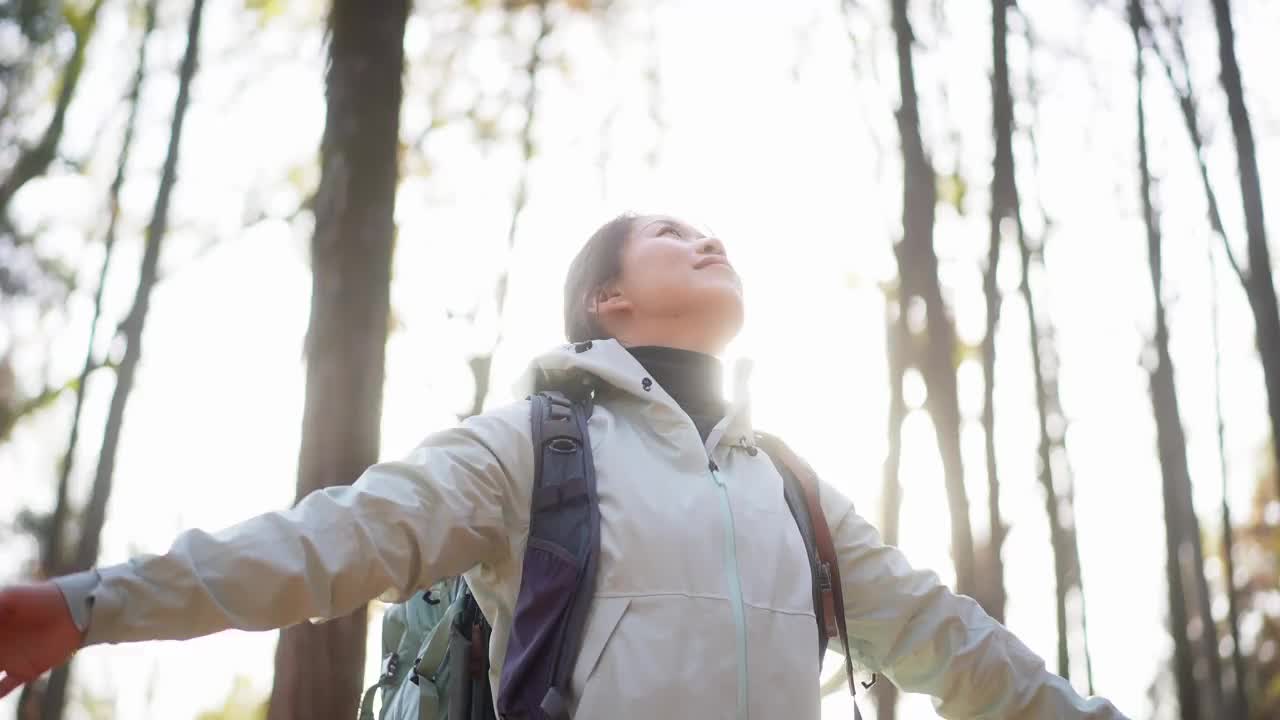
pixel 610 363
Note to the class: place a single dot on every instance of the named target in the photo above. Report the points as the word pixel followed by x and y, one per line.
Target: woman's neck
pixel 672 335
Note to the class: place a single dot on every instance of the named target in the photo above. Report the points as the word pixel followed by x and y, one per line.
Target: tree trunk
pixel 1260 287
pixel 319 668
pixel 52 560
pixel 1184 561
pixel 1004 204
pixel 1239 696
pixel 897 344
pixel 1006 208
pixel 1256 278
pixel 1184 677
pixel 918 260
pixel 131 329
pixel 1060 537
pixel 1053 455
pixel 1047 364
pixel 1188 104
pixel 482 365
pixel 1055 477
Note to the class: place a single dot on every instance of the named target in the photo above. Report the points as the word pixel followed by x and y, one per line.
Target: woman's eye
pixel 670 231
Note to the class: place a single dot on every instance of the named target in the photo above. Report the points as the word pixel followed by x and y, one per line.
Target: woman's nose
pixel 712 246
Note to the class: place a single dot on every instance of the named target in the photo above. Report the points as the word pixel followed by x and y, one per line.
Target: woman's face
pixel 678 275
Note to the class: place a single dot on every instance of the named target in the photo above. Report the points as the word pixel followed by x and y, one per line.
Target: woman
pixel 703 604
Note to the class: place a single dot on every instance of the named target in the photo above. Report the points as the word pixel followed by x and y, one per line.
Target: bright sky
pixel 768 136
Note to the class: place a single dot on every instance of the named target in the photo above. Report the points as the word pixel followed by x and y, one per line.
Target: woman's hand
pixel 36 632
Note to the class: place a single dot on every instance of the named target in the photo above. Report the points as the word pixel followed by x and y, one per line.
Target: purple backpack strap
pixel 560 562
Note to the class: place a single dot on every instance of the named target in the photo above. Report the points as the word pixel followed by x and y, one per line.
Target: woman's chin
pixel 731 313
pixel 723 282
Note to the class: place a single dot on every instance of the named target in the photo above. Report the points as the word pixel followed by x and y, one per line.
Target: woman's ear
pixel 609 301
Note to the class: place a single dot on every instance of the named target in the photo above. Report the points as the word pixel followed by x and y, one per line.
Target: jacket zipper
pixel 733 577
pixel 735 588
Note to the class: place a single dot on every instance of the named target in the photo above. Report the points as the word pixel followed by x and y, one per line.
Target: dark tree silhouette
pixel 897 345
pixel 918 269
pixel 52 560
pixel 1178 72
pixel 1238 674
pixel 131 332
pixel 1004 206
pixel 1258 281
pixel 319 668
pixel 482 365
pixel 1052 420
pixel 1256 277
pixel 1199 686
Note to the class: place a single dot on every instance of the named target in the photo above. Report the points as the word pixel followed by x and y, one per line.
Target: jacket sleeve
pixel 399 527
pixel 907 625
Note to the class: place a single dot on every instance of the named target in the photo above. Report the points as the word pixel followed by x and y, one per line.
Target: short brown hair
pixel 596 264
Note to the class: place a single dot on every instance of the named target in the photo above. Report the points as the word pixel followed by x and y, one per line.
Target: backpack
pixel 435 663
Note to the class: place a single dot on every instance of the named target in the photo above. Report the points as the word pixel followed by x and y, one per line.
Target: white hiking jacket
pixel 703 606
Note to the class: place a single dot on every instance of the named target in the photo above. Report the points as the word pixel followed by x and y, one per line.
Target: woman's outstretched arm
pixel 907 625
pixel 401 526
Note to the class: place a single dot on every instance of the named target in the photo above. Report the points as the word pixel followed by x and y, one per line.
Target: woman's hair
pixel 597 263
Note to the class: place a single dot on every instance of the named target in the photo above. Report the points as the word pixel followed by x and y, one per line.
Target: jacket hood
pixel 610 363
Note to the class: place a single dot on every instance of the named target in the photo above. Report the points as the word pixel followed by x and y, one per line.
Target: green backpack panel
pixel 415 648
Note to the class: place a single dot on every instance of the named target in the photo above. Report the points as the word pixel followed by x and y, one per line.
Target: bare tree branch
pixel 9 419
pixel 1187 587
pixel 35 160
pixel 482 365
pixel 1187 104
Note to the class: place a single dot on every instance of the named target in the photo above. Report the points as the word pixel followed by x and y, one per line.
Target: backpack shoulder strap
pixel 560 560
pixel 828 590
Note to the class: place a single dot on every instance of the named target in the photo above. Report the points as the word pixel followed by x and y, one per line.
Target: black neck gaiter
pixel 692 379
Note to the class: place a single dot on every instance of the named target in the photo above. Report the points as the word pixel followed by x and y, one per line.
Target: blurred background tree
pixel 319 668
